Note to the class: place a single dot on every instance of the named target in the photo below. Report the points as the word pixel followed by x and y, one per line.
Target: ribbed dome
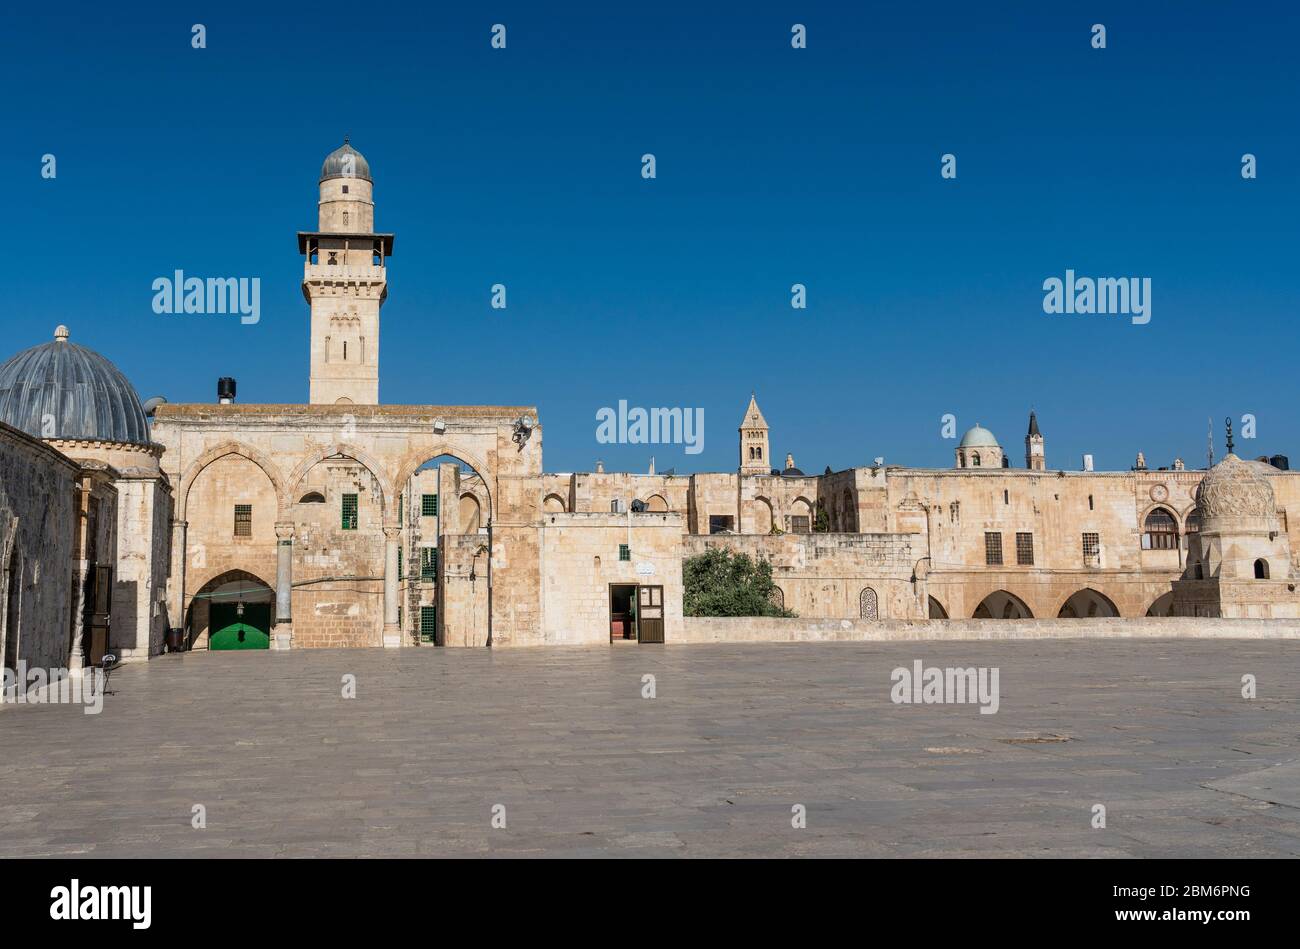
pixel 1235 488
pixel 62 390
pixel 978 437
pixel 338 165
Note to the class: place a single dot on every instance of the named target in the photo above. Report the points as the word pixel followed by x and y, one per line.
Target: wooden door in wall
pixel 650 613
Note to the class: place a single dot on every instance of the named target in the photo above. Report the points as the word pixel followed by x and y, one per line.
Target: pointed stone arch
pixel 247 452
pixel 1163 605
pixel 415 459
pixel 1085 603
pixel 1002 604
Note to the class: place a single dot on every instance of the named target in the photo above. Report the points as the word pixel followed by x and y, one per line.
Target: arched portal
pixel 656 503
pixel 444 515
pixel 1002 605
pixel 234 610
pixel 1087 603
pixel 553 504
pixel 936 609
pixel 800 518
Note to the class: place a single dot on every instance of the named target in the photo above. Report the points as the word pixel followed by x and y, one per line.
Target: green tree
pixel 721 583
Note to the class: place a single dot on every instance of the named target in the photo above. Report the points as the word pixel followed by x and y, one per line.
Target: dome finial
pixel 61 333
pixel 1229 421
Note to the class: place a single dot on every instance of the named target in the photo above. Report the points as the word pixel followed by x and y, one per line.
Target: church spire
pixel 755 457
pixel 1035 452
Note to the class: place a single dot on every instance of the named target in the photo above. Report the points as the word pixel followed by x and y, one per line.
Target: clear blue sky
pixel 776 166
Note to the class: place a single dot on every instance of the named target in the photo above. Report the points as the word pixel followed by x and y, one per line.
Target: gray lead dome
pixel 60 390
pixel 337 164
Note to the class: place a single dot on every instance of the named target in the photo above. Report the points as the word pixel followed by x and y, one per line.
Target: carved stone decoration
pixel 1159 493
pixel 868 604
pixel 1235 488
pixel 777 597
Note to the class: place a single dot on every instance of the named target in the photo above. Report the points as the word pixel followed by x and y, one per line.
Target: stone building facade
pixel 347 522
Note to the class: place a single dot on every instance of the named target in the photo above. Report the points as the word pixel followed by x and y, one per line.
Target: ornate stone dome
pixel 337 164
pixel 60 390
pixel 1235 488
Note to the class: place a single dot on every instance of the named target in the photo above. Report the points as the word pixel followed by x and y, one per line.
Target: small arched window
pixel 778 597
pixel 975 459
pixel 1261 569
pixel 312 497
pixel 868 604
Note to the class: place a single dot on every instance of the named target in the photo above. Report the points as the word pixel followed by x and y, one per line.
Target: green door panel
pixel 232 631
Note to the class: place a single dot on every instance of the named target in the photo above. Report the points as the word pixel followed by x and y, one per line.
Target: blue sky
pixel 775 166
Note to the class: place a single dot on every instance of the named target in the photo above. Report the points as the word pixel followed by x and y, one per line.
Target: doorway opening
pixel 233 611
pixel 636 613
pixel 622 613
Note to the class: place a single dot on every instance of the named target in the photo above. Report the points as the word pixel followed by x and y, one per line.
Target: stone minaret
pixel 1035 454
pixel 346 282
pixel 755 458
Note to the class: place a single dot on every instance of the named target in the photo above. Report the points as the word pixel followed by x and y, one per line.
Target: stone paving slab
pixel 1157 731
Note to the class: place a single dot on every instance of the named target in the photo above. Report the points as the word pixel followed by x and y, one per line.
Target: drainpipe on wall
pixel 489 581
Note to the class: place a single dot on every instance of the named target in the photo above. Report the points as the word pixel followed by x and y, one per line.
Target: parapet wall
pixel 718 629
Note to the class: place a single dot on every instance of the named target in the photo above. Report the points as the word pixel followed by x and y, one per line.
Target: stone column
pixel 176 582
pixel 282 638
pixel 392 632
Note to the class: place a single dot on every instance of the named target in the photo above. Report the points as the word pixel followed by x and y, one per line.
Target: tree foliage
pixel 721 583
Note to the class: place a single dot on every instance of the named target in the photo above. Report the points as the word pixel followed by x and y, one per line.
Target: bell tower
pixel 1035 455
pixel 345 281
pixel 755 458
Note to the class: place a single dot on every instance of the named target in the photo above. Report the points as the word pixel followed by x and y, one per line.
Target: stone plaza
pixel 560 745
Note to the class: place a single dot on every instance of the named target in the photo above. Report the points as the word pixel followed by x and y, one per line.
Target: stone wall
pixel 38 530
pixel 832 574
pixel 714 629
pixel 580 561
pixel 140 614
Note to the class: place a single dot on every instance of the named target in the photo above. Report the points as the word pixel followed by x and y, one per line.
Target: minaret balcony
pixel 343 273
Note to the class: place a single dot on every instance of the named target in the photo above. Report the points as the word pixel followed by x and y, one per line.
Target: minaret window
pixel 333 257
pixel 345 350
pixel 345 189
pixel 345 217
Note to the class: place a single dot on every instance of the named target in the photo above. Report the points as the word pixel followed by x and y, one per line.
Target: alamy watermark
pixel 655 426
pixel 931 685
pixel 1117 296
pixel 22 686
pixel 181 294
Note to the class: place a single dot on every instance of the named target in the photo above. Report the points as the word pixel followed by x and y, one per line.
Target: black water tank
pixel 225 389
pixel 1280 462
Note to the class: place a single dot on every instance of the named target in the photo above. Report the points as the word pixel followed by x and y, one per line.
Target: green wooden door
pixel 232 631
